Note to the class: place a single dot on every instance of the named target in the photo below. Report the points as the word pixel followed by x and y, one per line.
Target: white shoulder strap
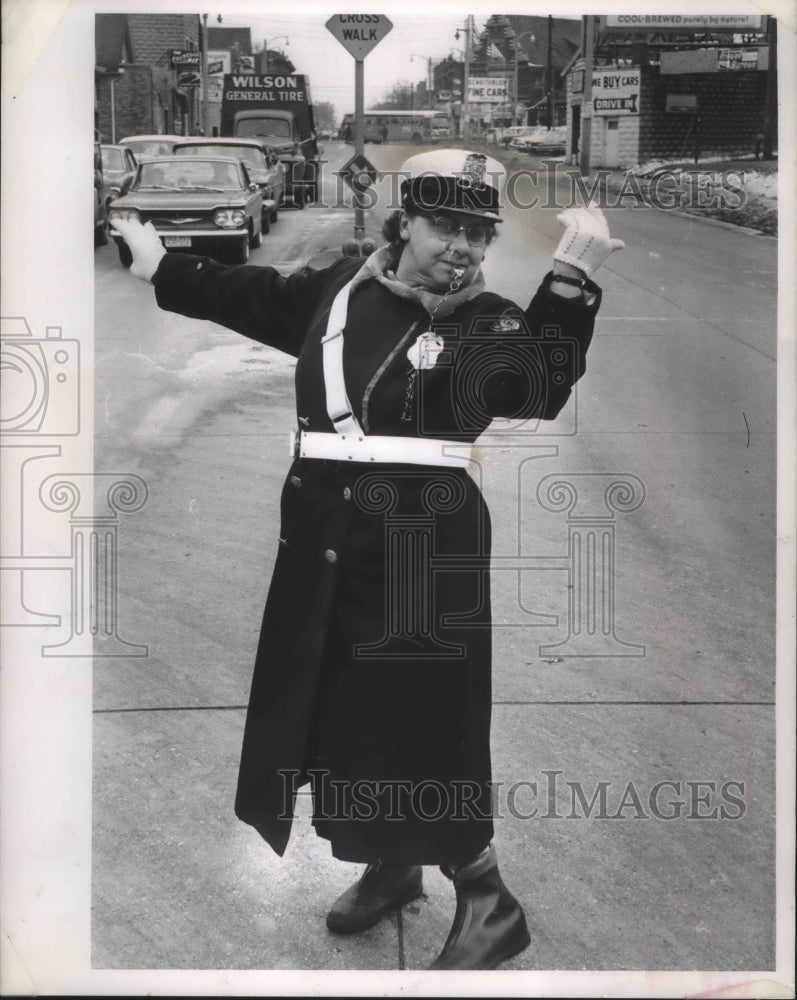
pixel 338 406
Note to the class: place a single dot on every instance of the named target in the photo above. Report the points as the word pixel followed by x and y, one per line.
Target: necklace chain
pixel 409 394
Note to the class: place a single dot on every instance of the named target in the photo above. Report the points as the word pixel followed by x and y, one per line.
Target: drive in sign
pixel 359 33
pixel 616 91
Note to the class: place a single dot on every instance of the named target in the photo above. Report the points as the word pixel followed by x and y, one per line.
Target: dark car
pixel 151 145
pixel 118 168
pixel 263 167
pixel 101 202
pixel 206 204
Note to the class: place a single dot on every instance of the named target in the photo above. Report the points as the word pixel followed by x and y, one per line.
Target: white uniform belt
pixel 376 448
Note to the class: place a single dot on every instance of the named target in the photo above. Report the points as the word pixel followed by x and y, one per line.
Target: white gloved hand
pixel 145 246
pixel 586 242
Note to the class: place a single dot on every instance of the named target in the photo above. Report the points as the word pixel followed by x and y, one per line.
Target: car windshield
pixel 192 174
pixel 264 126
pixel 253 158
pixel 112 159
pixel 150 147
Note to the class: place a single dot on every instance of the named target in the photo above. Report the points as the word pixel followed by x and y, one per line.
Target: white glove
pixel 586 242
pixel 145 246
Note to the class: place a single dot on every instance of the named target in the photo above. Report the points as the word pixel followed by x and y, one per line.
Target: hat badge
pixel 473 171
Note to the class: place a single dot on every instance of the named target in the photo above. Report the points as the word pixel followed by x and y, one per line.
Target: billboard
pixel 218 62
pixel 682 22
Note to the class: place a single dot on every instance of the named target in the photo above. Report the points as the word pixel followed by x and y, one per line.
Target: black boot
pixel 489 925
pixel 381 887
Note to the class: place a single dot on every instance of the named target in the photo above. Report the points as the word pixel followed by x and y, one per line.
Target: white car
pixel 543 141
pixel 515 132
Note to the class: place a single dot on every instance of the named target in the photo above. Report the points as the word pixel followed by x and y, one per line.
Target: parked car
pixel 515 132
pixel 101 201
pixel 118 168
pixel 542 141
pixel 205 204
pixel 151 145
pixel 264 168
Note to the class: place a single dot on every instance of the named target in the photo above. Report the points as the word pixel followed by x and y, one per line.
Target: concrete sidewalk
pixel 640 879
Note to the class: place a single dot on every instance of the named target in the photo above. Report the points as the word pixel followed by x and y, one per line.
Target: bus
pixel 399 126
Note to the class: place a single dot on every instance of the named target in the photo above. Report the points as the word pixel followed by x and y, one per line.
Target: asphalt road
pixel 657 668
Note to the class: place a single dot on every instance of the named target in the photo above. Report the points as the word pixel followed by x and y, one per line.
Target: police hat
pixel 457 179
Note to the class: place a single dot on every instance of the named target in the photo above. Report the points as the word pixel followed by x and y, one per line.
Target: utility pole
pixel 205 102
pixel 466 74
pixel 549 72
pixel 586 105
pixel 771 105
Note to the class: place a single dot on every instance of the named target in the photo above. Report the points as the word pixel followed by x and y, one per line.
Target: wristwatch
pixel 568 279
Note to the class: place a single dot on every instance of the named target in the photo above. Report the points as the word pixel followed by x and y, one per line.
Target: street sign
pixel 359 173
pixel 359 33
pixel 183 57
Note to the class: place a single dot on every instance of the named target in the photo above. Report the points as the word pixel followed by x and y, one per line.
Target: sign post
pixel 586 106
pixel 359 34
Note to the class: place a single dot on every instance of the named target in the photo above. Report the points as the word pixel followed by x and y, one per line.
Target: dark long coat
pixel 372 677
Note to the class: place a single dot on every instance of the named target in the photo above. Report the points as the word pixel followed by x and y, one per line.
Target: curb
pixel 707 220
pixel 514 163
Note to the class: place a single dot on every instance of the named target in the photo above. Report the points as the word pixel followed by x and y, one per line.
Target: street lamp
pixel 114 77
pixel 515 40
pixel 428 61
pixel 279 38
pixel 466 74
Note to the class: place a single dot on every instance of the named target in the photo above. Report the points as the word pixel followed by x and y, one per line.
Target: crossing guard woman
pixel 372 676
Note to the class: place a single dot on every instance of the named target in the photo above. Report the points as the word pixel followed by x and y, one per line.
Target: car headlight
pixel 229 218
pixel 124 215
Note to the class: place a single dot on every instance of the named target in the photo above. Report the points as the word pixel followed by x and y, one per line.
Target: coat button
pixel 296 481
pixel 346 493
pixel 331 556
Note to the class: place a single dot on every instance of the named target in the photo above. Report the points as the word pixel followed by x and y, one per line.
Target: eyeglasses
pixel 478 234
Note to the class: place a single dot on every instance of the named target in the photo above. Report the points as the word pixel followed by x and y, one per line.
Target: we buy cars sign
pixel 359 33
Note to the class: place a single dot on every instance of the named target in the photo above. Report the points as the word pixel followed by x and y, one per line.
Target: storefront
pixel 678 95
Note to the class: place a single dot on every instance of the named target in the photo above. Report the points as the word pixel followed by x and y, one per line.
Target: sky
pixel 315 52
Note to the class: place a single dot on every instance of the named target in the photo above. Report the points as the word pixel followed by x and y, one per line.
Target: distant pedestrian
pixel 373 674
pixel 383 132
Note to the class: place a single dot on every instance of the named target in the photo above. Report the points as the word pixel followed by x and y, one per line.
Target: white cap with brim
pixel 459 180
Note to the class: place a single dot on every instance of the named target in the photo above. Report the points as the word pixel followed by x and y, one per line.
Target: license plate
pixel 177 241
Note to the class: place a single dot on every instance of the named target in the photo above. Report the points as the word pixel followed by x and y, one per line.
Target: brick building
pixel 536 49
pixel 670 97
pixel 138 89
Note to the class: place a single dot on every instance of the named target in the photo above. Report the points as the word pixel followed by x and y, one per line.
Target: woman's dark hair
pixel 391 230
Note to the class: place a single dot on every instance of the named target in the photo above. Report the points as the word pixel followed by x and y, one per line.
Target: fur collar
pixel 380 265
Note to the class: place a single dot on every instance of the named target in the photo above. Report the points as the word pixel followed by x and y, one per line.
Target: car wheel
pixel 101 232
pixel 416 139
pixel 125 256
